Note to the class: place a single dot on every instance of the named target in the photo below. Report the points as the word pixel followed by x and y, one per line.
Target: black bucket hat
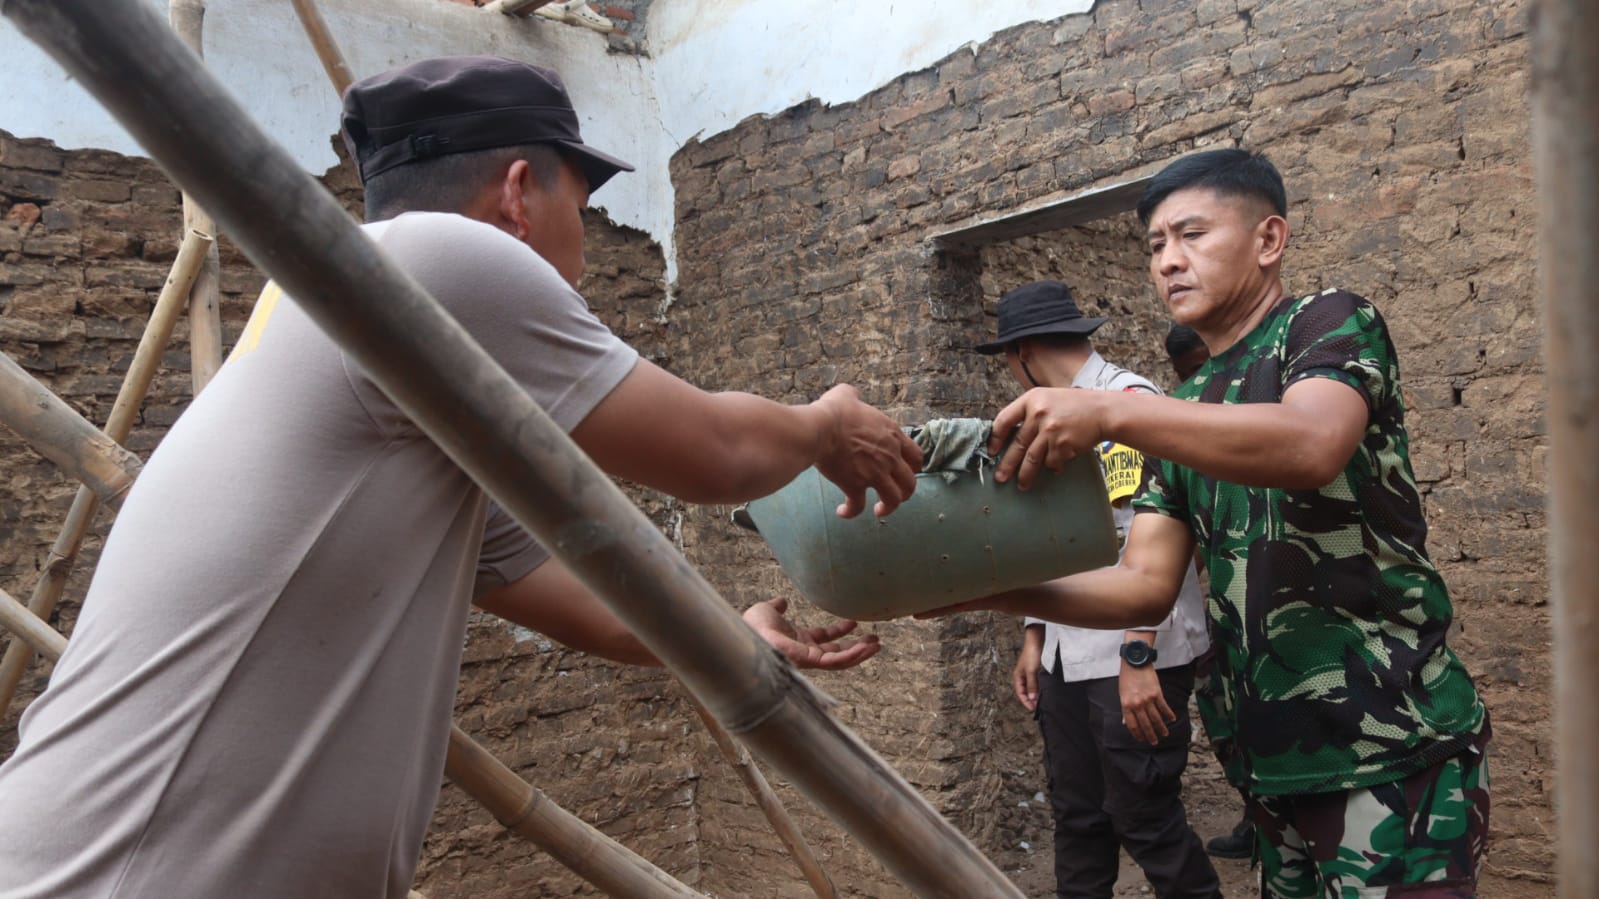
pixel 1042 307
pixel 458 104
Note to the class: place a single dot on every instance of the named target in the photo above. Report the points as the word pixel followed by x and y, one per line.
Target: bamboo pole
pixel 421 358
pixel 770 805
pixel 146 362
pixel 525 809
pixel 57 432
pixel 205 301
pixel 15 617
pixel 519 8
pixel 327 50
pixel 1565 137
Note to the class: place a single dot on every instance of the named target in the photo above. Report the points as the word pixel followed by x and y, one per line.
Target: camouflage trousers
pixel 1422 837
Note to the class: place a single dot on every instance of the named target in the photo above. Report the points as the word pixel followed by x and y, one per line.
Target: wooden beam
pixel 57 432
pixel 519 8
pixel 1565 138
pixel 327 50
pixel 525 809
pixel 205 297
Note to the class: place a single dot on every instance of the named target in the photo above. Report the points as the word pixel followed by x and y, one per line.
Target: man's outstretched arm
pixel 657 430
pixel 550 600
pixel 1138 592
pixel 1302 442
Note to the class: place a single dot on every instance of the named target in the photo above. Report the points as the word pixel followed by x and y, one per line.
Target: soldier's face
pixel 1206 254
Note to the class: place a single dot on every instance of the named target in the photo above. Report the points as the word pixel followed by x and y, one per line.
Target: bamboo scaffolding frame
pixel 129 60
pixel 525 809
pixel 1565 137
pixel 772 807
pixel 52 581
pixel 519 8
pixel 61 435
pixel 30 628
pixel 187 18
pixel 327 49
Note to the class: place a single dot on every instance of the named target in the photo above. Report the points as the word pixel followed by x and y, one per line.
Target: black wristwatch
pixel 1137 653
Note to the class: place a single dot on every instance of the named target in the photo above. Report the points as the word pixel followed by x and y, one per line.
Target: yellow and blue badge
pixel 1123 467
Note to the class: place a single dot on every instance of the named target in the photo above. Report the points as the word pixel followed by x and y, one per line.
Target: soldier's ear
pixel 1272 239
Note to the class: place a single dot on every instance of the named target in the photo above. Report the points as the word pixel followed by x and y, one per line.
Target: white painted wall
pixel 715 62
pixel 721 61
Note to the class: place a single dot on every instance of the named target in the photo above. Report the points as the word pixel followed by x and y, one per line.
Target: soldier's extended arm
pixel 1138 592
pixel 1302 442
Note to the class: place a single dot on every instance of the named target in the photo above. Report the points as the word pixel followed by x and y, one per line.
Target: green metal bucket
pixel 958 537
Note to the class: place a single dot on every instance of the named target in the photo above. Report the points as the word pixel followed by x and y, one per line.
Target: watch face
pixel 1137 653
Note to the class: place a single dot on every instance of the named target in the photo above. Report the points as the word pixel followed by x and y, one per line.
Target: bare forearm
pixel 1257 444
pixel 755 446
pixel 1107 598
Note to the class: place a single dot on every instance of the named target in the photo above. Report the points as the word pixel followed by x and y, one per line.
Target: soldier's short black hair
pixel 1230 173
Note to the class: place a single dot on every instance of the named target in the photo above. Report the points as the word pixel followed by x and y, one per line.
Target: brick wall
pixel 1400 128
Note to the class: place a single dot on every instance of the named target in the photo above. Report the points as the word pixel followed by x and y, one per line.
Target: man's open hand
pixel 811 647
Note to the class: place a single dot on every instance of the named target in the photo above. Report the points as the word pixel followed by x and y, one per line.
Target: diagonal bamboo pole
pixel 57 432
pixel 327 50
pixel 39 636
pixel 519 8
pixel 422 358
pixel 770 805
pixel 205 301
pixel 1565 138
pixel 525 809
pixel 146 362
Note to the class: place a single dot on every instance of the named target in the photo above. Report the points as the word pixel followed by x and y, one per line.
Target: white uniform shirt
pixel 1087 653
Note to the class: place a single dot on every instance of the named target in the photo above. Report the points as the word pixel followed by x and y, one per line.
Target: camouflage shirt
pixel 1327 615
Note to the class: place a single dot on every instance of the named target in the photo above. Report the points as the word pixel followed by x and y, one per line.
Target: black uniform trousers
pixel 1108 790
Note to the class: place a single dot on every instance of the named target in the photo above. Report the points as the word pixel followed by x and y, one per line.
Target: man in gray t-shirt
pixel 256 697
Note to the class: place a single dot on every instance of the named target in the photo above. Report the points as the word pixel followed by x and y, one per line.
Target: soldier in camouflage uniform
pixel 1359 736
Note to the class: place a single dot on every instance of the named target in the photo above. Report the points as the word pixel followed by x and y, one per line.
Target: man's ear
pixel 1272 234
pixel 510 194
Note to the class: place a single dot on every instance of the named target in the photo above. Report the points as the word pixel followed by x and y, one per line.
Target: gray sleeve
pixel 516 306
pixel 1126 380
pixel 509 552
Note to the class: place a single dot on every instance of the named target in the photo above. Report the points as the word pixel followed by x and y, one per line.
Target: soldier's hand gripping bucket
pixel 958 537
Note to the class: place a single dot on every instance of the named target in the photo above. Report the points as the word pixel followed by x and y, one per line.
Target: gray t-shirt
pixel 256 698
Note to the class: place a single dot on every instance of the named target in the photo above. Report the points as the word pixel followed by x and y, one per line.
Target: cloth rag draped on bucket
pixel 953 445
pixel 949 446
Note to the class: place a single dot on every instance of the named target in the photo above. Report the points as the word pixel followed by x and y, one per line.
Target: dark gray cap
pixel 458 104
